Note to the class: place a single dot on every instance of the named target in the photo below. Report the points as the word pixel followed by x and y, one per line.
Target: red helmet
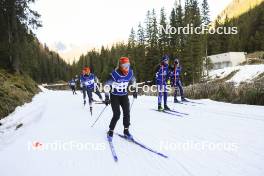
pixel 124 65
pixel 123 60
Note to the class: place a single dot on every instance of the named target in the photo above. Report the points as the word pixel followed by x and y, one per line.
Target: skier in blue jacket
pixel 88 83
pixel 176 81
pixel 162 77
pixel 119 81
pixel 72 85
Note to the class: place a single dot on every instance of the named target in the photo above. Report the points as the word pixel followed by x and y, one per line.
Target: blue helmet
pixel 165 58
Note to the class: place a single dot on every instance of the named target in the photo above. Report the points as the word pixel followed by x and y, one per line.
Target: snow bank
pixel 246 73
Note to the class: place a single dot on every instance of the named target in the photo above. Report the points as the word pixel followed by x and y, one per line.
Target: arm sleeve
pixel 157 71
pixel 96 80
pixel 109 81
pixel 133 82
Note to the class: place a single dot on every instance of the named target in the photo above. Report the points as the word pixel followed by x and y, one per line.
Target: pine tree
pixel 132 39
pixel 152 50
pixel 140 35
pixel 214 44
pixel 192 54
pixel 173 37
pixel 131 49
pixel 180 36
pixel 140 51
pixel 18 19
pixel 163 36
pixel 205 13
pixel 205 22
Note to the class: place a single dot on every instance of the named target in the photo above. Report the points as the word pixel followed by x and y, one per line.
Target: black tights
pixel 90 94
pixel 116 102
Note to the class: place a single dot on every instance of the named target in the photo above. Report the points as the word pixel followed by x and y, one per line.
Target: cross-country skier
pixel 162 77
pixel 89 85
pixel 72 85
pixel 176 81
pixel 119 80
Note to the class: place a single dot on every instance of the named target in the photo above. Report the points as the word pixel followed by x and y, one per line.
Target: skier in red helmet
pixel 119 80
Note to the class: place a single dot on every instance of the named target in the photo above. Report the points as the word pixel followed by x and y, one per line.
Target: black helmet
pixel 176 61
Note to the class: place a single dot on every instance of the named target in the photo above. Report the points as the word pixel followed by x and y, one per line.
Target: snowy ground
pixel 58 117
pixel 246 73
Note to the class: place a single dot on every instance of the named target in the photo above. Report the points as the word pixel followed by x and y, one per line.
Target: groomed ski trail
pixel 60 116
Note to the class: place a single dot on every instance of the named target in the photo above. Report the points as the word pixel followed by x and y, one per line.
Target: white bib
pixel 88 83
pixel 120 86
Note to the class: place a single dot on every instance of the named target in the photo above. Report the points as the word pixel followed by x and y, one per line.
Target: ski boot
pixel 127 135
pixel 110 134
pixel 166 107
pixel 176 100
pixel 184 99
pixel 160 108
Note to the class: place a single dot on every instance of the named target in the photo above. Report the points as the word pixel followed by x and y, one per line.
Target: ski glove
pixel 135 95
pixel 107 100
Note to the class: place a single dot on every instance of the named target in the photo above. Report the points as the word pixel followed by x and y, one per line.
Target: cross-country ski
pixel 112 149
pixel 142 145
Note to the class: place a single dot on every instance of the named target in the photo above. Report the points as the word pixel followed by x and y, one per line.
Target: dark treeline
pixel 148 43
pixel 20 51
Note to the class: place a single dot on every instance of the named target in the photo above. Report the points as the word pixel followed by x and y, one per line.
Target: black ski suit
pixel 119 100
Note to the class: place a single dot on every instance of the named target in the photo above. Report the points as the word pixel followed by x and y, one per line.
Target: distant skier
pixel 176 81
pixel 119 80
pixel 88 83
pixel 72 85
pixel 76 78
pixel 162 77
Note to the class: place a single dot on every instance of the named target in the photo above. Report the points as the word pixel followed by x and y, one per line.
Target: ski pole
pixel 132 104
pixel 99 116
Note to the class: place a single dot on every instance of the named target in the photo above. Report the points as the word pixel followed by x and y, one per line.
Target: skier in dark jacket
pixel 162 77
pixel 176 81
pixel 119 80
pixel 72 85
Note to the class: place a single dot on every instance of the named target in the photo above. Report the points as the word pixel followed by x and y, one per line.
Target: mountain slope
pixel 238 7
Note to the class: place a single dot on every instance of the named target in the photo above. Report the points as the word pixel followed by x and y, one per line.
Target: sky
pixel 72 27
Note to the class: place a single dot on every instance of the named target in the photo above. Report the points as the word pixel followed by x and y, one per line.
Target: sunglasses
pixel 125 66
